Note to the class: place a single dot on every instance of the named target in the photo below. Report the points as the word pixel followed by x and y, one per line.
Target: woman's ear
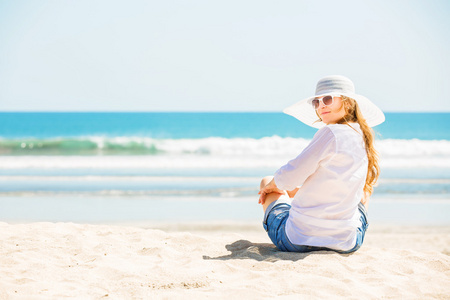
pixel 347 105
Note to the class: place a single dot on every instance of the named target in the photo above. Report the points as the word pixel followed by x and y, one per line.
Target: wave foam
pixel 213 152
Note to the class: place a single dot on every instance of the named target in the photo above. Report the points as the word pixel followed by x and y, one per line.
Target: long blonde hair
pixel 353 114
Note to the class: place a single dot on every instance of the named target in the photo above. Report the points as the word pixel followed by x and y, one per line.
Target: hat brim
pixel 304 111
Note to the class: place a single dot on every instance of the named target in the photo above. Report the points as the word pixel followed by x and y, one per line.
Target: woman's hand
pixel 271 187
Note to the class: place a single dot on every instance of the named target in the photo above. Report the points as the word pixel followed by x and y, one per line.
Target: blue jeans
pixel 275 225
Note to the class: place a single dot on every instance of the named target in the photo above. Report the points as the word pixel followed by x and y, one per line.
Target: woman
pixel 332 178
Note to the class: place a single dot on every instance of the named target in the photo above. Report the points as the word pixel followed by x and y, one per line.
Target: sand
pixel 218 261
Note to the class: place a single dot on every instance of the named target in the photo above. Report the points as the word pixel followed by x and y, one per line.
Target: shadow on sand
pixel 244 249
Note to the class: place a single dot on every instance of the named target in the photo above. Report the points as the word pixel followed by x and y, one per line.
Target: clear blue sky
pixel 204 55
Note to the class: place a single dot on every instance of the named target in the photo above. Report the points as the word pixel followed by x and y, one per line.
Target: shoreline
pixel 416 210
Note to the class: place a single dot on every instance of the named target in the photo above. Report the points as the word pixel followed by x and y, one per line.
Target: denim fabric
pixel 275 223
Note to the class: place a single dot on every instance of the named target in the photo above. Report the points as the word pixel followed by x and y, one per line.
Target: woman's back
pixel 325 209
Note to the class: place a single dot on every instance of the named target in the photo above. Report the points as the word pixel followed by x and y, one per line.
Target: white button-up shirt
pixel 332 172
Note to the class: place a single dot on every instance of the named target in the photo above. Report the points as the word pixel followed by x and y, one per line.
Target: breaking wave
pixel 212 152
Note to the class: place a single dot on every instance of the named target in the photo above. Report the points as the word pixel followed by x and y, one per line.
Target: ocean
pixel 136 167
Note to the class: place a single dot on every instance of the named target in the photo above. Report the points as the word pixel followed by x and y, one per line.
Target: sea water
pixel 95 167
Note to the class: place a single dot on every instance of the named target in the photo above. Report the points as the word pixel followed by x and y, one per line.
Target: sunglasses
pixel 326 100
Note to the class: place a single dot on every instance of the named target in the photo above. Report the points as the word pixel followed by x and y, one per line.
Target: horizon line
pixel 180 111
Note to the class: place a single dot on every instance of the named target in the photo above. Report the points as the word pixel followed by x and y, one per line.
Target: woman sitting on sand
pixel 331 180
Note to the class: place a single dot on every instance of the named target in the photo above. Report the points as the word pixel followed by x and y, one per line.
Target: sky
pixel 204 55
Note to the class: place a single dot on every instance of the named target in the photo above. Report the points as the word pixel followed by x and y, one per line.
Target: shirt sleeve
pixel 296 171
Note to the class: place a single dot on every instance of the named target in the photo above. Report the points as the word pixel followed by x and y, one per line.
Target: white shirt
pixel 332 172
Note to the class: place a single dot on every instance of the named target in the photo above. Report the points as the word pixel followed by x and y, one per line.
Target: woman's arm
pixel 292 193
pixel 297 170
pixel 269 188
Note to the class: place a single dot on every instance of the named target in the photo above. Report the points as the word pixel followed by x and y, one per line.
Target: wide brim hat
pixel 334 85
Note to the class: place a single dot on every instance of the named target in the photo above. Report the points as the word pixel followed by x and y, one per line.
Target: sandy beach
pixel 215 260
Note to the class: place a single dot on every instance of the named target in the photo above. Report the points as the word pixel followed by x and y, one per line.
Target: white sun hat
pixel 334 85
